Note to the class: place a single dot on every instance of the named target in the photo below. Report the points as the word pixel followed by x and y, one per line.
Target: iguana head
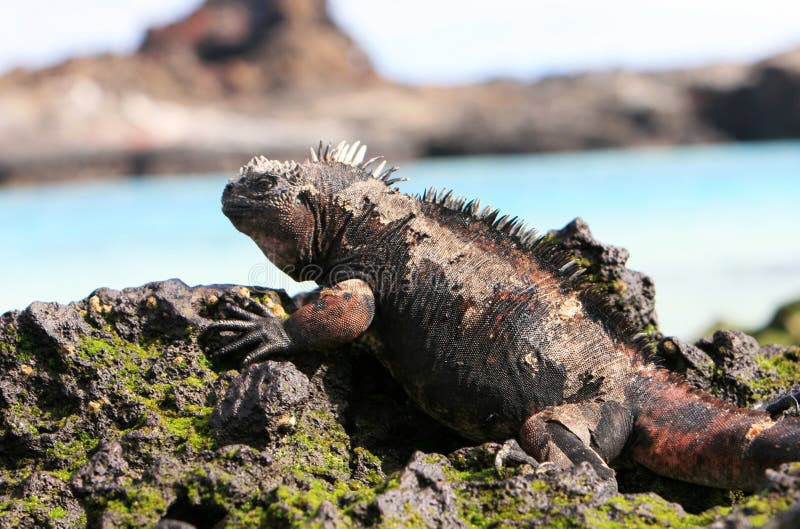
pixel 283 206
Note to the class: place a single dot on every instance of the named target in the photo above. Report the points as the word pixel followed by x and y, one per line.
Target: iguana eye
pixel 264 185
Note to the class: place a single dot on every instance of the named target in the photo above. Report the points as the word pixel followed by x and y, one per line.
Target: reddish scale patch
pixel 688 435
pixel 337 317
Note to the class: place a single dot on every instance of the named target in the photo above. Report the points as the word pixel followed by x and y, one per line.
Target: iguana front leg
pixel 339 315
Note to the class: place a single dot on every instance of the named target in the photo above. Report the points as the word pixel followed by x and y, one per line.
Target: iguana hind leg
pixel 568 434
pixel 337 316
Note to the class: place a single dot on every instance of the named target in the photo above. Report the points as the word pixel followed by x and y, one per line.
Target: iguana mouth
pixel 236 210
pixel 232 204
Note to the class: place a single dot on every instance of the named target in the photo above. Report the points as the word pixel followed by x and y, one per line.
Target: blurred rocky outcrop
pixel 238 77
pixel 764 106
pixel 258 46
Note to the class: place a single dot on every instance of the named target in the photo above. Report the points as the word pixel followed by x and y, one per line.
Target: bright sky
pixel 451 40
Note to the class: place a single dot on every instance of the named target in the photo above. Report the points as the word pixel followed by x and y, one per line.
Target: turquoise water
pixel 715 226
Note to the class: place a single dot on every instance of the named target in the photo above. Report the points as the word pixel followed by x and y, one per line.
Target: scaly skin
pixel 487 327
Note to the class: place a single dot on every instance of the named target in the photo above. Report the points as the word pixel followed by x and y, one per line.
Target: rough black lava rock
pixel 630 291
pixel 260 403
pixel 115 415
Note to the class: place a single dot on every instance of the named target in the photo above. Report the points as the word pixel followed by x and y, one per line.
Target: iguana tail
pixel 689 435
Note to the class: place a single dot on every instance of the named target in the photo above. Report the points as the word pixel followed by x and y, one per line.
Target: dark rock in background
pixel 258 46
pixel 631 292
pixel 766 105
pixel 783 328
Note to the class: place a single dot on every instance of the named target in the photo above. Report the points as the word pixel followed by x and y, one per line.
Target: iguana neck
pixel 359 232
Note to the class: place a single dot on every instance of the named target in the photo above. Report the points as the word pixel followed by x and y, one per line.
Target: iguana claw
pixel 260 330
pixel 511 452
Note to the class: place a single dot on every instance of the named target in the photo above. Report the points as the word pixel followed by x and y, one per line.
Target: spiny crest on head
pixel 353 155
pixel 263 165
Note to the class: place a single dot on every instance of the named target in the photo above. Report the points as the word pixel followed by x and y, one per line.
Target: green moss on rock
pixel 135 373
pixel 781 371
pixel 141 506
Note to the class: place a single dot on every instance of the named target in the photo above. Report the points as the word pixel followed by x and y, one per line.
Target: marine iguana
pixel 490 328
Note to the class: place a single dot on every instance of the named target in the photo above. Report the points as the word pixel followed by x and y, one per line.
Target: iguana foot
pixel 261 331
pixel 512 454
pixel 338 315
pixel 563 434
